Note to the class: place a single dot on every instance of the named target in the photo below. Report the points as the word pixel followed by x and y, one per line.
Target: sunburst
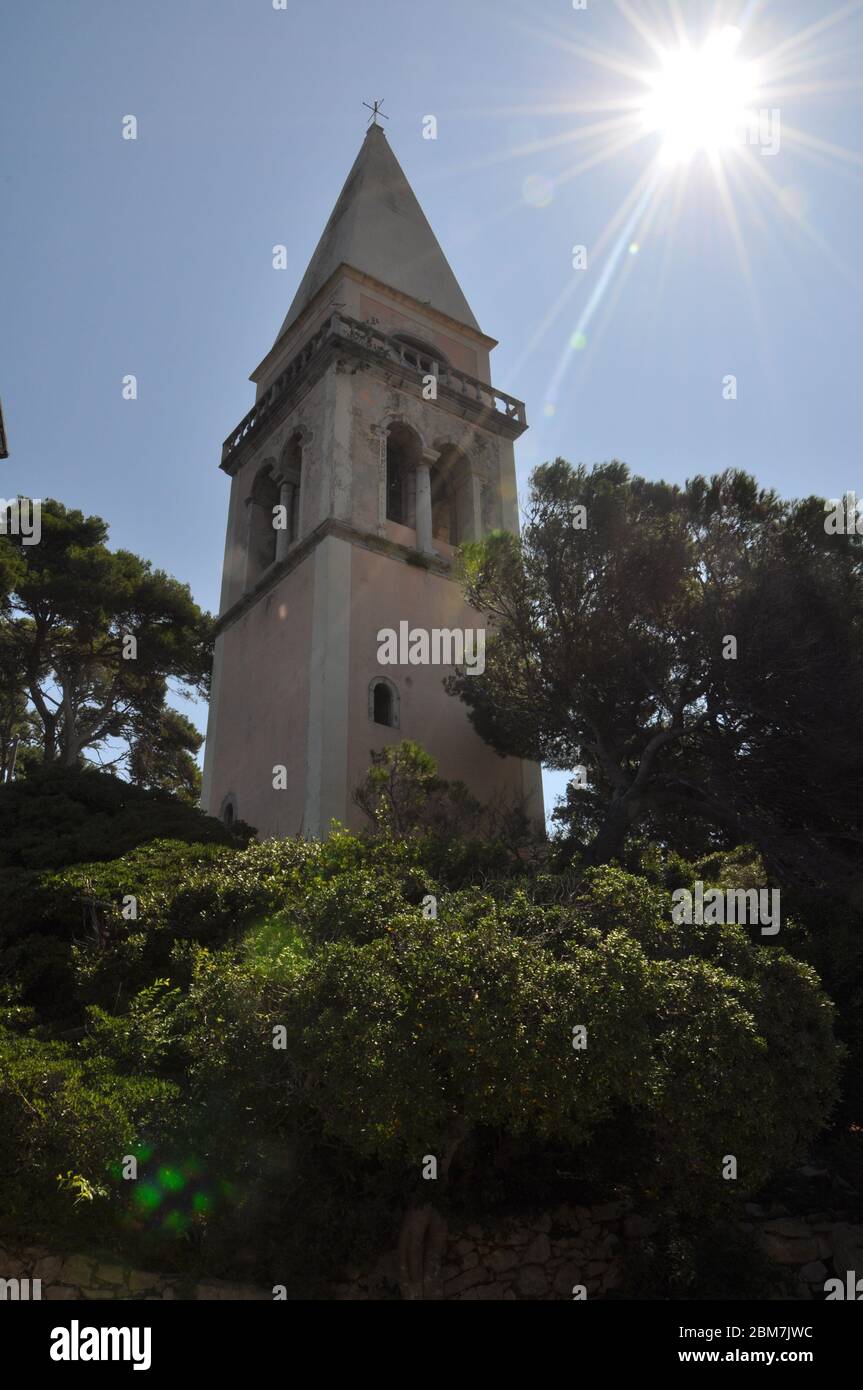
pixel 699 104
pixel 702 99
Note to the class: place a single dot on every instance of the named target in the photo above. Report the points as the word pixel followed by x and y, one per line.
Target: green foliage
pixel 690 1259
pixel 163 754
pixel 77 1184
pixel 65 1122
pixel 59 816
pixel 432 1029
pixel 710 1044
pixel 18 725
pixel 402 795
pixel 92 639
pixel 404 1036
pixel 148 1035
pixel 608 651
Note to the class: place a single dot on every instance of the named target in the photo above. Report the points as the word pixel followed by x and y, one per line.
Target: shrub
pixel 58 816
pixel 434 1031
pixel 65 1124
pixel 405 1037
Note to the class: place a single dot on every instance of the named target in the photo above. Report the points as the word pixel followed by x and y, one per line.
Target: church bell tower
pixel 375 446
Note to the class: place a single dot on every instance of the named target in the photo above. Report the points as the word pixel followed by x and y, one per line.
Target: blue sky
pixel 154 257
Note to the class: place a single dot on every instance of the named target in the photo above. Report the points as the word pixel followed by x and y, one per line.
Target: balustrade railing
pixel 374 340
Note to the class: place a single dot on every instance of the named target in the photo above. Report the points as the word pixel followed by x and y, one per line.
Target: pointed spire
pixel 378 227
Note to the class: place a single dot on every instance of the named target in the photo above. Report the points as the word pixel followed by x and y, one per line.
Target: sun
pixel 707 110
pixel 702 98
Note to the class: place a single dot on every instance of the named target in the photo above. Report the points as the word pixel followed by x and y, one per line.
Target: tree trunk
pixel 422 1242
pixel 609 839
pixel 423 1235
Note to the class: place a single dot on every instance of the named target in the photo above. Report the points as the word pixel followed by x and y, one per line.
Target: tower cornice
pixel 369 540
pixel 457 393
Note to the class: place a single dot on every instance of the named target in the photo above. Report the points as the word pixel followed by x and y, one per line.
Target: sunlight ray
pixel 601 325
pixel 569 137
pixel 607 153
pixel 604 281
pixel 805 63
pixel 676 196
pixel 819 27
pixel 744 260
pixel 557 108
pixel 593 53
pixel 749 13
pixel 824 147
pixel 757 167
pixel 640 27
pixel 805 89
pixel 677 21
pixel 707 102
pixel 733 221
pixel 607 235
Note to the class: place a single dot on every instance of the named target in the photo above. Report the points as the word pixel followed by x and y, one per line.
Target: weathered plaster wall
pixel 384 592
pixel 312 418
pixel 260 712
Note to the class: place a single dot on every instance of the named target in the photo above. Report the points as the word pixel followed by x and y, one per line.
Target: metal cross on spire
pixel 376 111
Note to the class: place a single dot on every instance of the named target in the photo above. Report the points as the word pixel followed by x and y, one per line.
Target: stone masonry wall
pixel 556 1254
pixel 65 1277
pixel 548 1256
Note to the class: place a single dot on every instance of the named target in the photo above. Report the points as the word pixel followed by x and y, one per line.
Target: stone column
pixel 476 505
pixel 424 503
pixel 286 500
pixel 382 483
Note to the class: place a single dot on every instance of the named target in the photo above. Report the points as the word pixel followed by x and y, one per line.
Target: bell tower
pixel 375 446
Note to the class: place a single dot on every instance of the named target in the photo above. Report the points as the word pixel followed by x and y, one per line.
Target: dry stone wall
pixel 557 1254
pixel 65 1277
pixel 552 1255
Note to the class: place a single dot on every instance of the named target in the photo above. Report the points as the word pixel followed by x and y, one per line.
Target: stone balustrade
pixel 478 395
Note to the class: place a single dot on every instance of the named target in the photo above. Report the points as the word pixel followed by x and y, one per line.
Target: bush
pixel 690 1259
pixel 405 1036
pixel 408 1042
pixel 66 1123
pixel 711 1046
pixel 57 816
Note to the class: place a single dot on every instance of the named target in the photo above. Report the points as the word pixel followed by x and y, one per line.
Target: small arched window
pixel 384 703
pixel 228 812
pixel 383 708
